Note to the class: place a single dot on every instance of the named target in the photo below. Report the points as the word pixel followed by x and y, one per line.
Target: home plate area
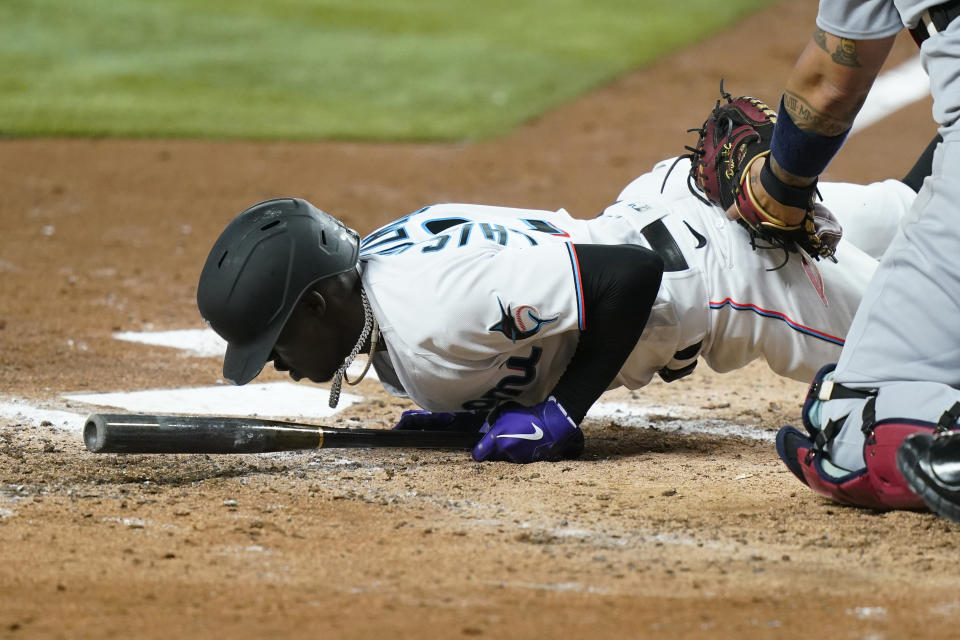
pixel 304 401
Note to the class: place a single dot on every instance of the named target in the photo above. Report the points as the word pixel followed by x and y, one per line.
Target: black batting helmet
pixel 258 269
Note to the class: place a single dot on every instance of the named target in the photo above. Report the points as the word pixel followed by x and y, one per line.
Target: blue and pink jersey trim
pixel 578 284
pixel 778 315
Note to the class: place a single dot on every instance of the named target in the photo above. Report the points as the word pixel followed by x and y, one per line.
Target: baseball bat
pixel 136 433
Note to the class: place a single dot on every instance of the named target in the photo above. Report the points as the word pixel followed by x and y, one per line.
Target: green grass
pixel 323 69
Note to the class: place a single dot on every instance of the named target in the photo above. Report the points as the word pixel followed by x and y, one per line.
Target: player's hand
pixel 812 228
pixel 529 434
pixel 785 215
pixel 419 420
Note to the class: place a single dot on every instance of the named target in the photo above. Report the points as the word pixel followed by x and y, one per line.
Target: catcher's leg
pixel 878 485
pixel 906 328
pixel 849 451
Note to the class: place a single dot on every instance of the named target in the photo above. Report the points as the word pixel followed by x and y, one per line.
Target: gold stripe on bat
pixel 320 433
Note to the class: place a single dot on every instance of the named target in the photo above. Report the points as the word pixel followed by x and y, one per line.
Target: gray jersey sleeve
pixel 860 19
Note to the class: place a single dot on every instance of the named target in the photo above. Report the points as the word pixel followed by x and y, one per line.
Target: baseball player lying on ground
pixel 513 322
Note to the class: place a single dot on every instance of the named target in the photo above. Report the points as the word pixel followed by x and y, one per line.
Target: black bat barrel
pixel 130 433
pixel 135 433
pixel 377 438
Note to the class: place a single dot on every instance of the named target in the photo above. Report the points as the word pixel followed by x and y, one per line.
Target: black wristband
pixel 800 197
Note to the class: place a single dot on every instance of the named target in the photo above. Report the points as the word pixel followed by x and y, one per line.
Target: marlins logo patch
pixel 520 323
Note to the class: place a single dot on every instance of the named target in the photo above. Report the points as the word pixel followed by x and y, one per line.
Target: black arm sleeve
pixel 620 284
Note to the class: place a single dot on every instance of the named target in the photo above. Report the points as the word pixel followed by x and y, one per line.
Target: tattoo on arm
pixel 846 52
pixel 820 38
pixel 810 119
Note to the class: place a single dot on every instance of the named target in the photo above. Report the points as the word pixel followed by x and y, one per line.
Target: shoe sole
pixel 911 468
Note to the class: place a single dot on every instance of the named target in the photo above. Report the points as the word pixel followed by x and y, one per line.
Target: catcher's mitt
pixel 734 135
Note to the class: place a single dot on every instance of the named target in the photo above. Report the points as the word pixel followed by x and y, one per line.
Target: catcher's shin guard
pixel 879 485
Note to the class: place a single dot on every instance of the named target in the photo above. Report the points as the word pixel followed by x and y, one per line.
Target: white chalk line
pixel 266 400
pixel 678 420
pixel 22 411
pixel 274 400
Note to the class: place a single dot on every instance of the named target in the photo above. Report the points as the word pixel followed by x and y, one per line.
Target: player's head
pixel 259 268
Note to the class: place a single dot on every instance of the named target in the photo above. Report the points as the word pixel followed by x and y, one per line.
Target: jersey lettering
pixel 437 245
pixel 391 238
pixel 439 225
pixel 495 232
pixel 465 234
pixel 401 234
pixel 509 386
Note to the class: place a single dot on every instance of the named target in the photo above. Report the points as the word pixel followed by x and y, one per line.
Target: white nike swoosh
pixel 536 435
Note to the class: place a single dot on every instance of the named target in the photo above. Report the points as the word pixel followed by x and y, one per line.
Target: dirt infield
pixel 653 533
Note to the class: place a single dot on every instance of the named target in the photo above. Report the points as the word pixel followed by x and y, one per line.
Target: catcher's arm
pixel 729 169
pixel 824 93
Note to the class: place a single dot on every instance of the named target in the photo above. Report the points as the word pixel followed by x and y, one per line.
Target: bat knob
pixel 94 433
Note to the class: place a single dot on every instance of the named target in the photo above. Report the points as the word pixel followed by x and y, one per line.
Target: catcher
pixel 514 321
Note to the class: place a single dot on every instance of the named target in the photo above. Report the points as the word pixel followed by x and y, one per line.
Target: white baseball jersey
pixel 478 304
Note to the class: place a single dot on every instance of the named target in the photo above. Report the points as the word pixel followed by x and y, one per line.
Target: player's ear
pixel 314 301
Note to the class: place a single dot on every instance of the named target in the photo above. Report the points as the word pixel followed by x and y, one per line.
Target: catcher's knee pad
pixel 810 413
pixel 879 485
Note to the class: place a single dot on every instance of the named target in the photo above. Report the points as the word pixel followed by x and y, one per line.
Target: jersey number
pixel 510 386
